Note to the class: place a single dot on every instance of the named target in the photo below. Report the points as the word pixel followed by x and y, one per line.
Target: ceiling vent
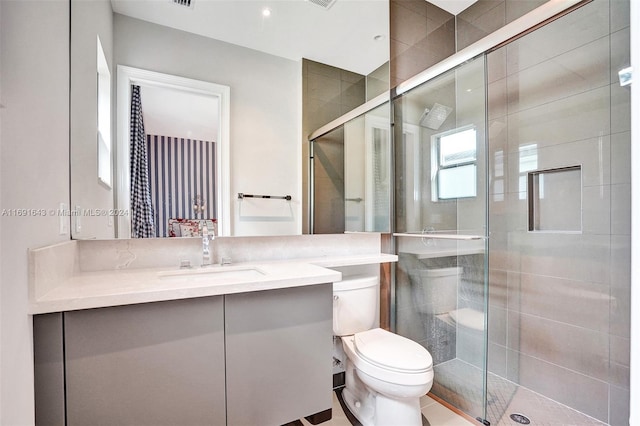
pixel 185 3
pixel 325 4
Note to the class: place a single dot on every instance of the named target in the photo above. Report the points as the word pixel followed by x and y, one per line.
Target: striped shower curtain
pixel 141 209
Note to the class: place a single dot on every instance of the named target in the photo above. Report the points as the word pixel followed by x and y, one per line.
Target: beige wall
pixel 90 19
pixel 34 174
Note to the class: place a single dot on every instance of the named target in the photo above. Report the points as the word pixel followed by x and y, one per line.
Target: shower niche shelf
pixel 554 199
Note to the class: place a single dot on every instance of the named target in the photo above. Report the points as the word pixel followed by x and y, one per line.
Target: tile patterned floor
pixel 436 413
pixel 543 411
pixel 460 384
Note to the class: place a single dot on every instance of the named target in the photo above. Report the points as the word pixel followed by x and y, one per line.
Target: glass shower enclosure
pixel 506 186
pixel 441 229
pixel 512 223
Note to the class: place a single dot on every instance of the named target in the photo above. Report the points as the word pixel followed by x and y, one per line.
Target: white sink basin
pixel 213 274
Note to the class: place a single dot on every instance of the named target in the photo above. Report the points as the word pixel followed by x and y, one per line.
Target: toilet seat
pixel 389 357
pixel 391 351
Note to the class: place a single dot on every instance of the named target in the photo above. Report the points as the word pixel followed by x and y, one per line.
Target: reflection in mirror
pixel 185 139
pixel 104 118
pixel 351 168
pixel 225 42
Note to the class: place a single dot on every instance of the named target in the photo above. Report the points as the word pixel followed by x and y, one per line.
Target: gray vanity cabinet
pixel 259 358
pixel 149 364
pixel 279 351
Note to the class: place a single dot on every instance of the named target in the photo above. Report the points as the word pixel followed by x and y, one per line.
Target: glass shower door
pixel 441 229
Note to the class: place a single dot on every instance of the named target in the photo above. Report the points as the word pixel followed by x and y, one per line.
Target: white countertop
pixel 86 290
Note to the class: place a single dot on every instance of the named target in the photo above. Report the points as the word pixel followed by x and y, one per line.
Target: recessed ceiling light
pixel 266 12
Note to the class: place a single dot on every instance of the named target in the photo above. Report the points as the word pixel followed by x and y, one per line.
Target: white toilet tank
pixel 354 304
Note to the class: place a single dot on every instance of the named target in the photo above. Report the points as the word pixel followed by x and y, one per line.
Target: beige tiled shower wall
pixel 486 16
pixel 422 34
pixel 559 302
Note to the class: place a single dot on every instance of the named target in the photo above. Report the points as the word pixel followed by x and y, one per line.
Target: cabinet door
pixel 279 354
pixel 149 364
pixel 48 366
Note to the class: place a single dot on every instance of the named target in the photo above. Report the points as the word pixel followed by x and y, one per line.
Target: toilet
pixel 386 374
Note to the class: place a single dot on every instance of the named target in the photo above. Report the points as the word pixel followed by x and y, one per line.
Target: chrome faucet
pixel 206 249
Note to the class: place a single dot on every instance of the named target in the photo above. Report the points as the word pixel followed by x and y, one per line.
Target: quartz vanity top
pixel 95 289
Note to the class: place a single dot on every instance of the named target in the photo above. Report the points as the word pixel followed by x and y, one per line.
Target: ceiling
pixel 453 6
pixel 170 112
pixel 338 36
pixel 296 28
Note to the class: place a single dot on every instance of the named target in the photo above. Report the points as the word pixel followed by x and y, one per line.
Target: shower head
pixel 434 117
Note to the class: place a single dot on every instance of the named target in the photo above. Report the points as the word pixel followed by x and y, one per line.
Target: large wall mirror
pixel 200 156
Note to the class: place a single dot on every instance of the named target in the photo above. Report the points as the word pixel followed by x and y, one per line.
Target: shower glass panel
pixel 559 149
pixel 351 175
pixel 441 229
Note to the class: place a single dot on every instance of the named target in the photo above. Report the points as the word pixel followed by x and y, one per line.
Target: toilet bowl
pixel 386 374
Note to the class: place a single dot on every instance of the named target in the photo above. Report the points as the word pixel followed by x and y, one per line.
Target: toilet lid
pixel 392 352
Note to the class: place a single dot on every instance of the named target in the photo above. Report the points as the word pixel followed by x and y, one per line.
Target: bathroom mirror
pixel 228 43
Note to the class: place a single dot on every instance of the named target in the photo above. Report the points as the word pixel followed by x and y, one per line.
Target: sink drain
pixel 520 418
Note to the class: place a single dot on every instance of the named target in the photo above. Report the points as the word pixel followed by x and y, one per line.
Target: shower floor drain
pixel 520 418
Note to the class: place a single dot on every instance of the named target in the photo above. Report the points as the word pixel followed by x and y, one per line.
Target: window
pixel 104 118
pixel 455 166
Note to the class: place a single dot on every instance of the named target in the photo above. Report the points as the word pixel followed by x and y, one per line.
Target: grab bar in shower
pixel 440 236
pixel 272 197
